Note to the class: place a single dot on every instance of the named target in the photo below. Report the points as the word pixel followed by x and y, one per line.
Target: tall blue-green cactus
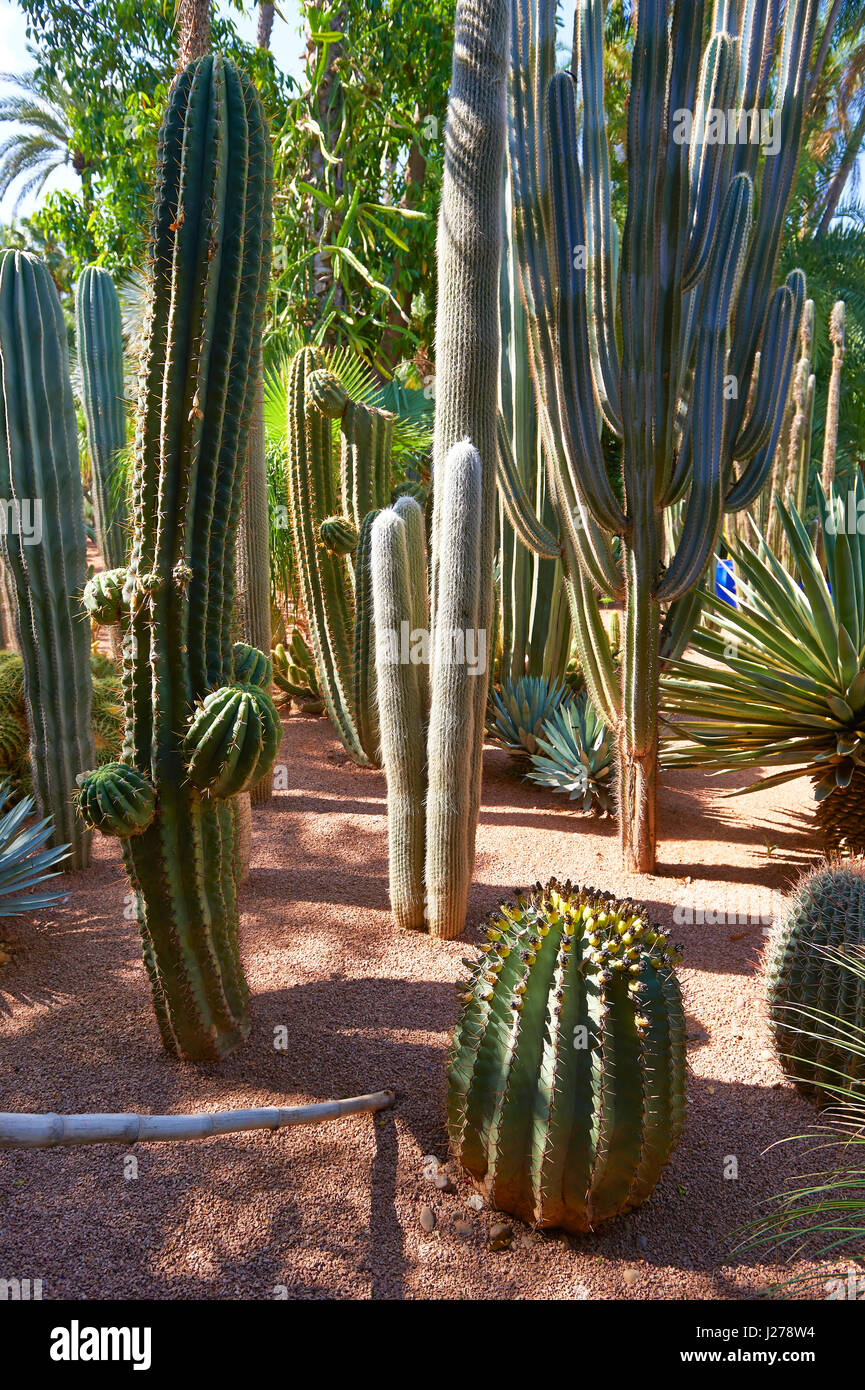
pixel 100 356
pixel 199 728
pixel 672 334
pixel 44 542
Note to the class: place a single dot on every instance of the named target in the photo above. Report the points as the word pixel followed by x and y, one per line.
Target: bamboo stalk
pixel 49 1131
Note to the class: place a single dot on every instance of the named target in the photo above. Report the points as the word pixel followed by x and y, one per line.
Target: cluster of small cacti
pixel 212 731
pixel 331 526
pixel 295 673
pixel 816 1007
pixel 40 468
pixel 566 1076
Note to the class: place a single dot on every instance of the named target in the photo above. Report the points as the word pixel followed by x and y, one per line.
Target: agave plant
pixel 788 687
pixel 24 862
pixel 520 709
pixel 576 754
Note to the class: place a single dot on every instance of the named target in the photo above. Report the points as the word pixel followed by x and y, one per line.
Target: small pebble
pixel 427 1219
pixel 475 1201
pixel 631 1276
pixel 463 1229
pixel 500 1236
pixel 444 1182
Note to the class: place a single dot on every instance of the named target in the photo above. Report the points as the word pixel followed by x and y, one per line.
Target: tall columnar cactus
pixel 253 556
pixel 44 543
pixel 200 729
pixel 535 621
pixel 690 363
pixel 838 339
pixel 816 1005
pixel 433 642
pixel 99 336
pixel 329 524
pixel 566 1078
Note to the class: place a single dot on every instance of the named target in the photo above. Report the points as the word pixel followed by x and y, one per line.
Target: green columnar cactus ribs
pixel 566 1078
pixel 838 339
pixel 40 483
pixel 194 735
pixel 690 364
pixel 816 1005
pixel 253 557
pixel 100 355
pixel 326 529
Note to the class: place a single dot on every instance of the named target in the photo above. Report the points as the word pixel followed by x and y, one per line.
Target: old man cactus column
pixel 670 334
pixel 200 728
pixel 432 703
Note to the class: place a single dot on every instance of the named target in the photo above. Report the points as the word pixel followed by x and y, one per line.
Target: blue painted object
pixel 725 583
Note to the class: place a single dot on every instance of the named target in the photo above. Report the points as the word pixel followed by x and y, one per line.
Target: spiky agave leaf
pixel 520 709
pixel 24 863
pixel 576 755
pixel 787 683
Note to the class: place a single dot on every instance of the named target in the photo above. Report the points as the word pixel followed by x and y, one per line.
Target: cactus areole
pixel 671 331
pixel 199 729
pixel 566 1079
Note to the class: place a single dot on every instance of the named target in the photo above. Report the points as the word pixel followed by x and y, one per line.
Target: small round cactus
pixel 566 1082
pixel 103 597
pixel 338 535
pixel 117 800
pixel 815 1004
pixel 252 667
pixel 232 740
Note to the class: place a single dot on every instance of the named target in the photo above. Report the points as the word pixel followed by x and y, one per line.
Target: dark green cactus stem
pixel 40 485
pixel 327 527
pixel 195 734
pixel 253 557
pixel 566 1078
pixel 672 332
pixel 816 1005
pixel 99 337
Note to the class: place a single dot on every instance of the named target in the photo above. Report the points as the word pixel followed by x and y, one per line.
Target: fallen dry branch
pixel 48 1131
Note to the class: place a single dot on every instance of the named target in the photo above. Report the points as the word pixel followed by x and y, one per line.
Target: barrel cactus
pixel 816 1007
pixel 99 335
pixel 196 734
pixel 47 563
pixel 566 1077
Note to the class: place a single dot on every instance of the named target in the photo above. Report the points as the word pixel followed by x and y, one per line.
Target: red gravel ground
pixel 335 1211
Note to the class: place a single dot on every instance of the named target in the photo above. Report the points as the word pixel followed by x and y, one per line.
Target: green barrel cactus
pixel 326 523
pixel 99 335
pixel 566 1077
pixel 816 1007
pixel 44 542
pixel 194 735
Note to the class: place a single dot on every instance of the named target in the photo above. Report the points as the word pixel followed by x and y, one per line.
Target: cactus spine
pixel 432 702
pixel 193 733
pixel 40 470
pixel 566 1077
pixel 326 528
pixel 100 355
pixel 696 308
pixel 816 1006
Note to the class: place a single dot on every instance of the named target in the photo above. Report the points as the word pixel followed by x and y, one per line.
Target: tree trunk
pixel 194 27
pixel 329 112
pixel 265 25
pixel 638 732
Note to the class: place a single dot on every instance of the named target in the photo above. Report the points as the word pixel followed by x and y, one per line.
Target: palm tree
pixel 194 25
pixel 265 24
pixel 46 112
